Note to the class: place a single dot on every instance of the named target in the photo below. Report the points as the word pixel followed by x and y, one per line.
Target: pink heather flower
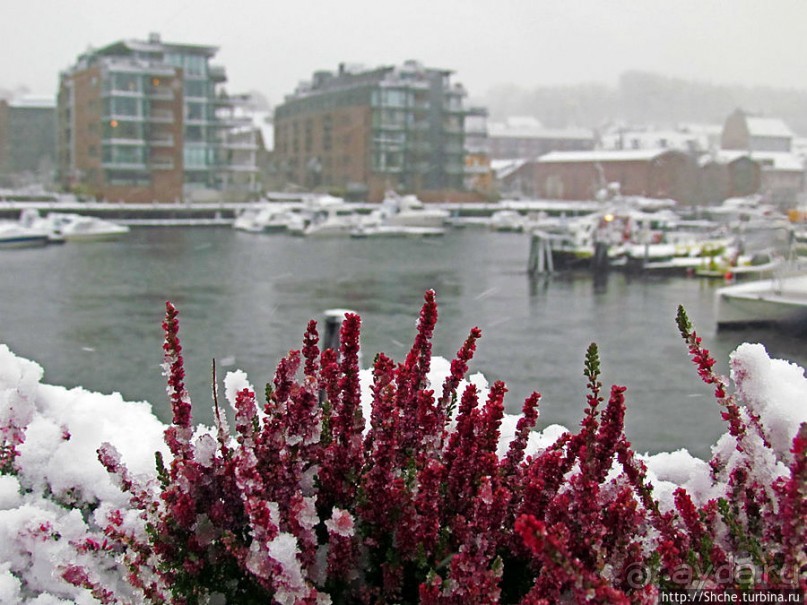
pixel 340 523
pixel 310 349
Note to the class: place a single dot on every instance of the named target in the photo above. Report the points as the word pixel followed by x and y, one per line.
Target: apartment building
pixel 27 141
pixel 142 121
pixel 525 138
pixel 362 131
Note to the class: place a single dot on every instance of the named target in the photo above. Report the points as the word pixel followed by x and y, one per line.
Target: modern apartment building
pixel 362 131
pixel 144 121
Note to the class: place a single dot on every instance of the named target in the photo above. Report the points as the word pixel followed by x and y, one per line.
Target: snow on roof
pixel 723 156
pixel 779 161
pixel 601 155
pixel 655 139
pixel 767 127
pixel 529 127
pixel 504 168
pixel 34 101
pixel 771 160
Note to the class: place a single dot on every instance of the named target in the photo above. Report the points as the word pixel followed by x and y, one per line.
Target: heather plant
pixel 308 501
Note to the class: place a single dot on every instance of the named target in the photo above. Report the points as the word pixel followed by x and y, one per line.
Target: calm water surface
pixel 90 314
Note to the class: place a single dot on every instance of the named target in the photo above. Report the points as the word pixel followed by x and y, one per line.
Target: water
pixel 90 314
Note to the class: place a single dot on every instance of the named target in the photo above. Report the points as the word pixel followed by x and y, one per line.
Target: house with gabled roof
pixel 769 142
pixel 581 175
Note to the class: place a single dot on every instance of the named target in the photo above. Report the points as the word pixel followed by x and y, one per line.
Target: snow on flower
pixel 380 483
pixel 340 523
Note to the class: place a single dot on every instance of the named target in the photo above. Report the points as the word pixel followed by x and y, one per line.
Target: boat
pixel 68 226
pixel 683 257
pixel 779 301
pixel 408 211
pixel 370 230
pixel 510 221
pixel 333 220
pixel 15 235
pixel 573 242
pixel 264 218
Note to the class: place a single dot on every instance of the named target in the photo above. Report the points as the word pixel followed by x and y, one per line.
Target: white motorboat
pixel 409 211
pixel 780 300
pixel 507 220
pixel 15 235
pixel 369 230
pixel 68 226
pixel 336 220
pixel 264 218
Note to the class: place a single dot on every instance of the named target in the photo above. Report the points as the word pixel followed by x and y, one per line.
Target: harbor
pixel 90 315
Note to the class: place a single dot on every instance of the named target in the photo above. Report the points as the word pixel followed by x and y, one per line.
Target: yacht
pixel 334 220
pixel 264 218
pixel 409 211
pixel 16 235
pixel 68 226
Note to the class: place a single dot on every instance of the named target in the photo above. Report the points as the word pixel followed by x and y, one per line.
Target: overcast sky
pixel 268 45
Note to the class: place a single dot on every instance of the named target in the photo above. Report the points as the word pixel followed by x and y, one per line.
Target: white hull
pixel 32 241
pixel 764 302
pixel 15 235
pixel 393 231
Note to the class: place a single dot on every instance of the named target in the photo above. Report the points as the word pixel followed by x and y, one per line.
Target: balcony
pixel 121 165
pixel 241 168
pixel 121 92
pixel 161 93
pixel 123 117
pixel 124 142
pixel 161 140
pixel 239 145
pixel 161 164
pixel 217 73
pixel 162 116
pixel 388 125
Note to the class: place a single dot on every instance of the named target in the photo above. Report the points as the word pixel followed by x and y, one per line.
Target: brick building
pixel 727 174
pixel 146 121
pixel 769 142
pixel 580 175
pixel 27 141
pixel 360 132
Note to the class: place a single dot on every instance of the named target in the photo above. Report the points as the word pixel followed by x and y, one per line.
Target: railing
pixel 161 164
pixel 162 115
pixel 116 165
pixel 161 140
pixel 161 94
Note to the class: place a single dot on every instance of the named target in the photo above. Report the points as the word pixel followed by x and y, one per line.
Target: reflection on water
pixel 90 314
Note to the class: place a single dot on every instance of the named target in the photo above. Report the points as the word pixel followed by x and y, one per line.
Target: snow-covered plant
pixel 342 485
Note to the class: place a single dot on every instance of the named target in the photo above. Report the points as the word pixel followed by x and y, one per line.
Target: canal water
pixel 90 314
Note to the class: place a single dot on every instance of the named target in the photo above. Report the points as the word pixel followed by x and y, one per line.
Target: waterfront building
pixel 27 141
pixel 584 175
pixel 691 138
pixel 360 132
pixel 525 138
pixel 144 121
pixel 769 142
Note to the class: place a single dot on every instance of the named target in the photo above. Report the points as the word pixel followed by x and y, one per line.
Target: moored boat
pixel 69 226
pixel 16 235
pixel 776 301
